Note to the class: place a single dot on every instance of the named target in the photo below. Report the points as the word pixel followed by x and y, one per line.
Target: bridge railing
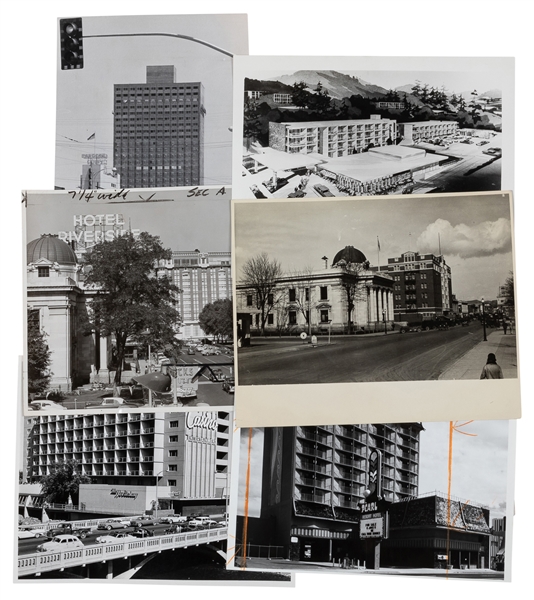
pixel 40 562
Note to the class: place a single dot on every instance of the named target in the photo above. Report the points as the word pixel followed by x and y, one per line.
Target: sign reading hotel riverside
pixel 123 494
pixel 111 227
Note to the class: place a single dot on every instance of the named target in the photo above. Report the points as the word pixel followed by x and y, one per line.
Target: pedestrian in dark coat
pixel 491 369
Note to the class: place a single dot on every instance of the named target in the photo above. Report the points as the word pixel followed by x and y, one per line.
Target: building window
pixel 270 319
pixel 249 299
pixel 171 482
pixel 43 271
pixel 292 317
pixel 173 438
pixel 173 452
pixel 173 423
pixel 324 316
pixel 324 292
pixel 292 295
pixel 270 299
pixel 173 467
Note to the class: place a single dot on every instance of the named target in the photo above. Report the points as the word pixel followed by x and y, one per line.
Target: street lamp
pixel 484 320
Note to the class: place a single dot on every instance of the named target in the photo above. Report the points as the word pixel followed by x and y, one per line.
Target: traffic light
pixel 71 40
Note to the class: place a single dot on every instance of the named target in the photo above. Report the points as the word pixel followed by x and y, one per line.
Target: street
pixel 392 357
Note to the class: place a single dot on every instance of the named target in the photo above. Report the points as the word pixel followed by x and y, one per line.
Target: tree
pixel 62 482
pixel 301 294
pixel 508 291
pixel 300 95
pixel 134 299
pixel 216 318
pixel 352 285
pixel 260 275
pixel 39 355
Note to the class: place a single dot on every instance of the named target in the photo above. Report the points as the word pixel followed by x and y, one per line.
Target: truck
pixel 68 528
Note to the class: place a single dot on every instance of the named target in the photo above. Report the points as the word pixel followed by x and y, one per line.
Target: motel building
pixel 155 463
pixel 317 300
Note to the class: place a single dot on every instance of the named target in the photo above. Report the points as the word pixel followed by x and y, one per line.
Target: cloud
pixel 483 239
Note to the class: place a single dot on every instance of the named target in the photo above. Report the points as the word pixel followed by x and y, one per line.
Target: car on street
pixel 175 528
pixel 28 533
pixel 297 194
pixel 272 186
pixel 322 190
pixel 497 152
pixel 110 524
pixel 117 537
pixel 202 522
pixel 61 543
pixel 190 350
pixel 229 385
pixel 173 519
pixel 45 405
pixel 405 327
pixel 141 532
pixel 143 521
pixel 216 375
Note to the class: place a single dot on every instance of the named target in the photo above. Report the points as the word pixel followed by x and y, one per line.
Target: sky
pixel 479 462
pixel 85 96
pixel 474 234
pixel 457 81
pixel 182 223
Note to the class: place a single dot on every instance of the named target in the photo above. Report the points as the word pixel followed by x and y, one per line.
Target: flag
pixel 91 137
pixel 378 242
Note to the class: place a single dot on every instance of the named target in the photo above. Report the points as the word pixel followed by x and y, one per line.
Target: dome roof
pixel 349 254
pixel 52 248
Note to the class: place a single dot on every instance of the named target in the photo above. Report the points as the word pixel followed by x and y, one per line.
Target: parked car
pixel 143 521
pixel 110 524
pixel 229 385
pixel 322 190
pixel 297 194
pixel 115 402
pixel 190 350
pixel 272 187
pixel 61 543
pixel 45 405
pixel 116 537
pixel 257 192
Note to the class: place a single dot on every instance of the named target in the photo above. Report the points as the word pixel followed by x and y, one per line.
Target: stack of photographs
pixel 264 303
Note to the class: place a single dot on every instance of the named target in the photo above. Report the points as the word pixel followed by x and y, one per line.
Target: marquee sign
pixel 375 476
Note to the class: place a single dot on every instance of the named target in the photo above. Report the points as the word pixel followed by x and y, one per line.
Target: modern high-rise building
pixel 159 131
pixel 315 478
pixel 422 284
pixel 422 131
pixel 180 460
pixel 202 277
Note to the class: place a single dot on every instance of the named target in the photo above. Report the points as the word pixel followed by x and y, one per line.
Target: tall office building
pixel 202 277
pixel 159 131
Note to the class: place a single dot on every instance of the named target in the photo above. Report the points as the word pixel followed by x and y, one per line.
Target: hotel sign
pixel 123 494
pixel 92 229
pixel 372 526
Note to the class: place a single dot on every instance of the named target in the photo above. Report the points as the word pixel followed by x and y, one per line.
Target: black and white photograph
pixel 321 127
pixel 146 101
pixel 129 300
pixel 126 497
pixel 365 290
pixel 418 499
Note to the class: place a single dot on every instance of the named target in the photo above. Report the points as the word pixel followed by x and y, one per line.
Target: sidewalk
pixel 469 366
